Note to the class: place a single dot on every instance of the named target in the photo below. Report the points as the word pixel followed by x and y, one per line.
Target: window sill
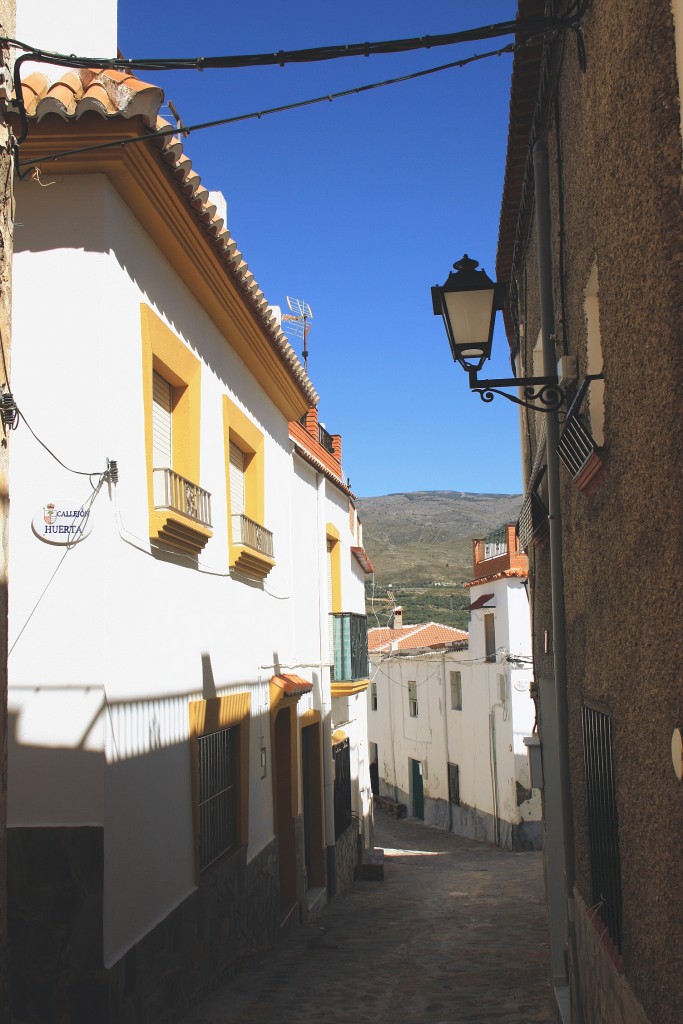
pixel 347 688
pixel 179 532
pixel 250 561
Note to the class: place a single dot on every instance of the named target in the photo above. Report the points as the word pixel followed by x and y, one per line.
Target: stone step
pixel 372 869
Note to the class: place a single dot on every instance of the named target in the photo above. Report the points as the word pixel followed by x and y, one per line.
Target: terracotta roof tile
pixel 409 638
pixel 505 574
pixel 119 94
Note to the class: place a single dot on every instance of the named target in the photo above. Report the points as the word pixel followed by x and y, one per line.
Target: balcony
pixel 578 452
pixel 325 439
pixel 182 512
pixel 253 535
pixel 252 547
pixel 498 552
pixel 349 653
pixel 173 491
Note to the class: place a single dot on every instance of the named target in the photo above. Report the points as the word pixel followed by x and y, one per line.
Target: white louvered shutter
pixel 236 483
pixel 162 435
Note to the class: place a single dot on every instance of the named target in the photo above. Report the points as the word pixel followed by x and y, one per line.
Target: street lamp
pixel 468 302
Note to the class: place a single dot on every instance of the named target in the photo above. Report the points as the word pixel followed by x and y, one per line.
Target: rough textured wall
pixel 620 150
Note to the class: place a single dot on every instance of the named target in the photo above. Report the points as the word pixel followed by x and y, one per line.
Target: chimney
pixel 398 617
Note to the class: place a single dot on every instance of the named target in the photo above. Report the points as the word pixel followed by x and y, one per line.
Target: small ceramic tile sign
pixel 61 522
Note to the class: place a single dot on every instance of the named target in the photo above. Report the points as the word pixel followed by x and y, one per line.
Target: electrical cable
pixel 89 501
pixel 257 114
pixel 519 28
pixel 76 472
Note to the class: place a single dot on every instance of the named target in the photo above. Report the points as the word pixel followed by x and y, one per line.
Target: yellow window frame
pixel 164 352
pixel 238 428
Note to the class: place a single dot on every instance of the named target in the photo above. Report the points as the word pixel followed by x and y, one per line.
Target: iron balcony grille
pixel 325 440
pixel 341 752
pixel 253 535
pixel 173 491
pixel 576 446
pixel 603 830
pixel 349 646
pixel 495 544
pixel 217 771
pixel 533 520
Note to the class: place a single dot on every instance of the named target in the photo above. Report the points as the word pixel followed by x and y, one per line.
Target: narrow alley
pixel 456 932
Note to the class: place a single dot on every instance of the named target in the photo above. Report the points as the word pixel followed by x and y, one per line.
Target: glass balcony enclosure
pixel 349 646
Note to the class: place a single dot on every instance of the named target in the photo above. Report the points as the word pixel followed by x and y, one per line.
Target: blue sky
pixel 359 206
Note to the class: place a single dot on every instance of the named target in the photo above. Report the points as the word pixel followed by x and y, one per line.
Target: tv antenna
pixel 297 323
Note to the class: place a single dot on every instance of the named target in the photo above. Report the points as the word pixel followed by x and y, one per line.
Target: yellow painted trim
pixel 237 427
pixel 208 716
pixel 343 689
pixel 164 352
pixel 309 718
pixel 287 705
pixel 334 540
pixel 150 189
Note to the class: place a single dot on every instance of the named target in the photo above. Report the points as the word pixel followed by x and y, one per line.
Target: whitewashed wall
pixel 140 634
pixel 485 738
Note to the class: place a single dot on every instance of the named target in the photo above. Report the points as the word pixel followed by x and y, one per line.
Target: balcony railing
pixel 349 646
pixel 493 546
pixel 325 440
pixel 253 535
pixel 173 491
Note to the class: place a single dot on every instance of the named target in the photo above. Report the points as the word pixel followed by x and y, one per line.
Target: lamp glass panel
pixel 470 316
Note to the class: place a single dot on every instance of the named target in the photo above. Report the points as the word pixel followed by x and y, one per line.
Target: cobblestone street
pixel 456 932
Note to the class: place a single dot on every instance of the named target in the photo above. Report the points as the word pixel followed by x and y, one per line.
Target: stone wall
pixel 55 921
pixel 606 996
pixel 346 857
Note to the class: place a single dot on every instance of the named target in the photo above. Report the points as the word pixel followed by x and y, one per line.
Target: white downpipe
pixel 325 684
pixel 493 759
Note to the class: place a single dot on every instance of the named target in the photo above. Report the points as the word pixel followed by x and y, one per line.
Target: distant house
pixel 188 769
pixel 449 710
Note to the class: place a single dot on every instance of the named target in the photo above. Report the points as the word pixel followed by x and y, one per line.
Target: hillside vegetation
pixel 421 546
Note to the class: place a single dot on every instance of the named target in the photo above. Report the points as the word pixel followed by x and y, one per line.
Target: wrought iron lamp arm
pixel 544 390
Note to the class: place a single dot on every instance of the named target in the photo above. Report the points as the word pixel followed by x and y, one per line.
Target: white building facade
pixel 186 753
pixel 448 725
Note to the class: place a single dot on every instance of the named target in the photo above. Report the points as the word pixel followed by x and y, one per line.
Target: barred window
pixel 412 698
pixel 217 763
pixel 603 833
pixel 456 691
pixel 454 783
pixel 341 752
pixel 373 696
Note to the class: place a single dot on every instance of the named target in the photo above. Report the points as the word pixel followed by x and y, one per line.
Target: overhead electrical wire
pixel 525 30
pixel 258 114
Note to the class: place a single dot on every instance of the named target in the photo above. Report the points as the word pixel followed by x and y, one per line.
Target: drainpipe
pixel 326 694
pixel 545 280
pixel 493 759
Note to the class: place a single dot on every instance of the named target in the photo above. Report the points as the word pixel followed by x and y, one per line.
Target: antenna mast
pixel 297 323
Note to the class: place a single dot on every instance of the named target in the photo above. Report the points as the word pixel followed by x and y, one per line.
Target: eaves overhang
pixel 156 181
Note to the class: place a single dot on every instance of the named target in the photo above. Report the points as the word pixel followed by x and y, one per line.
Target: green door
pixel 418 790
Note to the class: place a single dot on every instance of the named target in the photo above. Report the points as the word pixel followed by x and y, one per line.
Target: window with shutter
pixel 162 419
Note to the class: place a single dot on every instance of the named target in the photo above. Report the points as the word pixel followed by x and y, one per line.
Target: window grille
pixel 533 521
pixel 341 753
pixel 456 691
pixel 603 830
pixel 373 696
pixel 412 698
pixel 217 779
pixel 454 783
